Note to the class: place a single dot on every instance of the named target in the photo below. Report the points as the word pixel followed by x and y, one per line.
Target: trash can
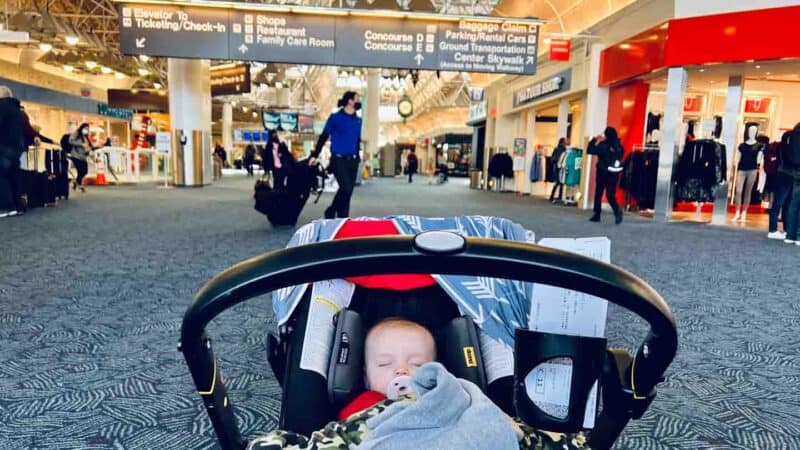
pixel 474 178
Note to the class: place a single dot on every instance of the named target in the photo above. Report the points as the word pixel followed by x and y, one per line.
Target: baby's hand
pixel 398 387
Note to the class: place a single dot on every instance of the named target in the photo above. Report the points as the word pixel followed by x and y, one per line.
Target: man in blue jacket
pixel 344 129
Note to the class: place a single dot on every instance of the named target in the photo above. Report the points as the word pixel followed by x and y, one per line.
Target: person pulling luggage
pixel 12 146
pixel 344 130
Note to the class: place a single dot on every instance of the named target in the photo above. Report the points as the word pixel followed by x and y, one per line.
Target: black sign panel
pixel 354 41
pixel 177 31
pixel 373 42
pixel 278 37
pixel 230 80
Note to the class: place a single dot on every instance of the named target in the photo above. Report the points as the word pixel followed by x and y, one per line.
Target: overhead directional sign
pixel 431 42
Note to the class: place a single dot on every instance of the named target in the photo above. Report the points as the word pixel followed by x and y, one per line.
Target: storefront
pixel 703 85
pixel 532 115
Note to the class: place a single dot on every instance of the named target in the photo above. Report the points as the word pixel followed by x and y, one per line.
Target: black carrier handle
pixel 432 252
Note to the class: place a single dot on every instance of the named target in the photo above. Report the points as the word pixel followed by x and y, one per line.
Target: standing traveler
pixel 81 147
pixel 278 159
pixel 411 165
pixel 782 194
pixel 249 158
pixel 219 157
pixel 561 148
pixel 791 166
pixel 609 153
pixel 12 145
pixel 344 129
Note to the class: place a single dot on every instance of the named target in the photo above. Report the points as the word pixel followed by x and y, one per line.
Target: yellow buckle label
pixel 470 359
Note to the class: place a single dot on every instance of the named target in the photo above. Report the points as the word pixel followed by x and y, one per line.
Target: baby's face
pixel 392 351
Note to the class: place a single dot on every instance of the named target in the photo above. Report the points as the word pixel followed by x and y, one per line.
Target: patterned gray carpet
pixel 93 291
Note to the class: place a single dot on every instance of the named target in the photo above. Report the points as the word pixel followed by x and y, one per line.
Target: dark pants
pixel 780 201
pixel 606 181
pixel 248 164
pixel 278 178
pixel 560 187
pixel 410 176
pixel 345 170
pixel 82 167
pixel 792 219
pixel 11 176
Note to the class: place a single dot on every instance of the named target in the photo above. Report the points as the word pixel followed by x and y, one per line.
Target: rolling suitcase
pixel 38 188
pixel 57 166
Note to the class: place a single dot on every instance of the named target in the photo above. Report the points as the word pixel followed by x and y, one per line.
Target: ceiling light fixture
pixel 144 72
pixel 45 47
pixel 233 103
pixel 144 58
pixel 68 68
pixel 244 109
pixel 625 46
pixel 157 85
pixel 91 65
pixel 702 70
pixel 105 70
pixel 255 115
pixel 119 75
pixel 758 67
pixel 278 84
pixel 72 40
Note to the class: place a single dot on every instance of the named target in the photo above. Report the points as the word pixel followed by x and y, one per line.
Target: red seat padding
pixel 362 228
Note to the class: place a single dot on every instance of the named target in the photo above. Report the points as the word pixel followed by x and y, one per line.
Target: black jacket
pixel 268 160
pixel 606 153
pixel 13 123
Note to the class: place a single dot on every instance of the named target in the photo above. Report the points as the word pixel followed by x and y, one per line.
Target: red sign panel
pixel 560 49
pixel 756 105
pixel 692 104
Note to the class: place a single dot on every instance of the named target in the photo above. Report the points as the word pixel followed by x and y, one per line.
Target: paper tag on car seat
pixel 327 298
pixel 564 311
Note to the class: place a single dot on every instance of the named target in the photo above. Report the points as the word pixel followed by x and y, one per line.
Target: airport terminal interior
pixel 209 209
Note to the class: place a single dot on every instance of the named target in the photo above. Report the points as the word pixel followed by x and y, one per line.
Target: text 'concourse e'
pixel 356 41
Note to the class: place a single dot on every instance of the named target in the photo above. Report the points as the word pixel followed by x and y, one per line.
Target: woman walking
pixel 277 158
pixel 81 147
pixel 561 148
pixel 609 153
pixel 411 165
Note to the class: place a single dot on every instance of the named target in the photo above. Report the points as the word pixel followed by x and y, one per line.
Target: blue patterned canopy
pixel 497 306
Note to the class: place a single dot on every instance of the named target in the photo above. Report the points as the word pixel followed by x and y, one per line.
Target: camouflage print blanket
pixel 348 434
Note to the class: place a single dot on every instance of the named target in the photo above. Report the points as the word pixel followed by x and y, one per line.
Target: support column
pixel 190 119
pixel 490 146
pixel 730 133
pixel 530 135
pixel 227 127
pixel 677 79
pixel 371 119
pixel 563 118
pixel 595 120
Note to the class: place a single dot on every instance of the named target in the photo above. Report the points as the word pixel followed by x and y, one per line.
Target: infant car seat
pixel 628 382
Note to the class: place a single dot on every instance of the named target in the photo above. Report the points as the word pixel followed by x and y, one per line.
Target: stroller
pixel 378 263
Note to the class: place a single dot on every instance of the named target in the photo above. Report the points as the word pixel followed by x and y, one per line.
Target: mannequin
pixel 655 137
pixel 750 156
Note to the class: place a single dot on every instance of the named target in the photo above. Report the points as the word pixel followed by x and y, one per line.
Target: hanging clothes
pixel 536 168
pixel 501 165
pixel 573 160
pixel 640 175
pixel 700 169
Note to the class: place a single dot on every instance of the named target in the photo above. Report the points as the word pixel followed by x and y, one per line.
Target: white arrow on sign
pixel 419 58
pixel 140 42
pixel 243 49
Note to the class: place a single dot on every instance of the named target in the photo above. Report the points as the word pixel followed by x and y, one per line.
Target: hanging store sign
pixel 560 49
pixel 477 112
pixel 692 104
pixel 756 105
pixel 230 79
pixel 117 113
pixel 305 123
pixel 562 82
pixel 271 34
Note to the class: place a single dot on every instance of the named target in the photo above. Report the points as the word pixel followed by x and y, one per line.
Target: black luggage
pixel 57 166
pixel 38 188
pixel 282 206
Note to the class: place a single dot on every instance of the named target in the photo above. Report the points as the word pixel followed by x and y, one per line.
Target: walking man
pixel 344 130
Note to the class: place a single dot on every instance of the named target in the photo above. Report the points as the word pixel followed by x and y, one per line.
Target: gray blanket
pixel 448 413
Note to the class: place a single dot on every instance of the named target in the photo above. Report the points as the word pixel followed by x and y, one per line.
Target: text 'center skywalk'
pixel 429 42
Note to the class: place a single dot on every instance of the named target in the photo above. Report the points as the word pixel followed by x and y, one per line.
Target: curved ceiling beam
pixel 558 15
